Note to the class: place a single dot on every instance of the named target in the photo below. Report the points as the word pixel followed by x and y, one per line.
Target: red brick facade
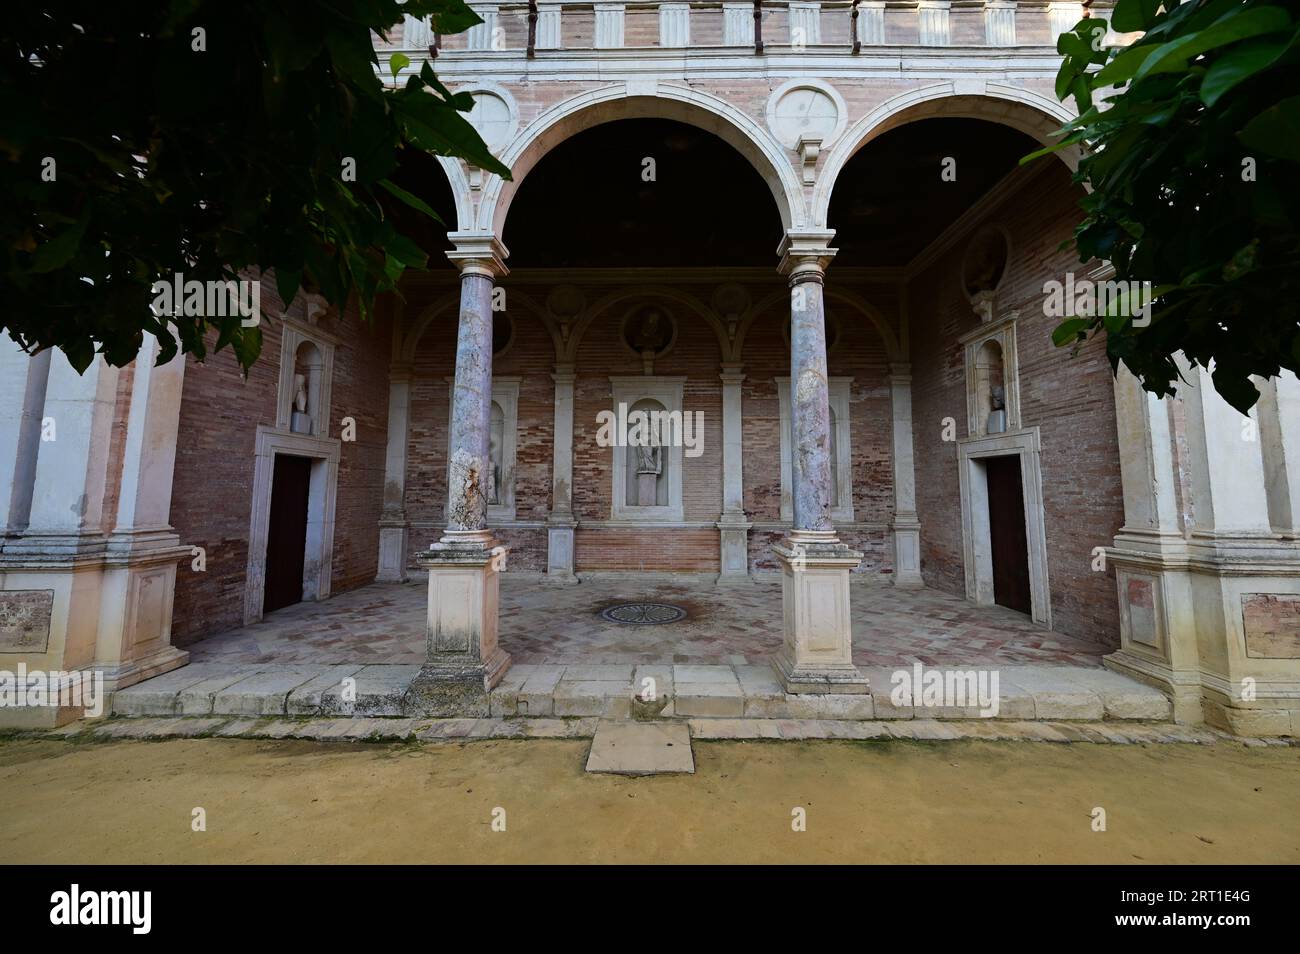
pixel 212 491
pixel 1069 398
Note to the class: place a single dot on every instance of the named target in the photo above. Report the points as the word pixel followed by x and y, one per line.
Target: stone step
pixel 360 729
pixel 641 748
pixel 1024 693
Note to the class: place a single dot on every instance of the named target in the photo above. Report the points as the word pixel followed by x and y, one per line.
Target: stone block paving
pixel 626 691
pixel 736 625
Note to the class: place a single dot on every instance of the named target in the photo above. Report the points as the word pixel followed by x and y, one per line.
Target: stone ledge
pixel 353 729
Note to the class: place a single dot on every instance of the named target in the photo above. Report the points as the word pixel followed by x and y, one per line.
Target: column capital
pixel 805 255
pixel 900 371
pixel 565 373
pixel 479 253
pixel 731 374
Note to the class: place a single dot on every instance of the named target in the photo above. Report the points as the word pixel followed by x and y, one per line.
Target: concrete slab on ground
pixel 641 748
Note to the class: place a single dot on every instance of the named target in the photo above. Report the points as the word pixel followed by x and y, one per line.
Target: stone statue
pixel 648 460
pixel 494 467
pixel 998 414
pixel 300 422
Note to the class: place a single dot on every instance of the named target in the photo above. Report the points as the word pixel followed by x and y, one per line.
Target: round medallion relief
pixel 491 118
pixel 805 108
pixel 649 328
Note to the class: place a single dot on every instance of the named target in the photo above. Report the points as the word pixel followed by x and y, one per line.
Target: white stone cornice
pixel 828 62
pixel 757 274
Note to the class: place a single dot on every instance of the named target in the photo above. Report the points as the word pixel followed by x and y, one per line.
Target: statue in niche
pixel 648 467
pixel 998 413
pixel 300 422
pixel 496 437
pixel 648 459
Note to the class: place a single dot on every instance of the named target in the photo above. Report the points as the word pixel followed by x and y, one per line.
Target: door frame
pixel 321 493
pixel 977 544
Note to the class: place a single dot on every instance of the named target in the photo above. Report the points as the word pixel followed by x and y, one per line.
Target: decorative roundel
pixel 805 107
pixel 492 117
pixel 985 261
pixel 649 328
pixel 644 614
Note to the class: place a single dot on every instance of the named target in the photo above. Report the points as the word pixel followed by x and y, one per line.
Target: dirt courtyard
pixel 287 802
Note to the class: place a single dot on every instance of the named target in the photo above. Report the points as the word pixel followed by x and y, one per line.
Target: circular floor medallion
pixel 644 614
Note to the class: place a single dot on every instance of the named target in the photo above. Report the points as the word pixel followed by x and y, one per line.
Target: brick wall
pixel 1070 399
pixel 696 356
pixel 212 490
pixel 859 352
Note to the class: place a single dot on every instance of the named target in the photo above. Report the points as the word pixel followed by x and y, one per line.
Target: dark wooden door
pixel 1007 530
pixel 286 538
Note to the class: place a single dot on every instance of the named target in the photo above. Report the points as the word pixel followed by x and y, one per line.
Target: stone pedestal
pixel 907 552
pixel 817 656
pixel 393 535
pixel 734 530
pixel 559 550
pixel 645 489
pixel 462 659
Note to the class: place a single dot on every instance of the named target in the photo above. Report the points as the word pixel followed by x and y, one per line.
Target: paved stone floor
pixel 733 625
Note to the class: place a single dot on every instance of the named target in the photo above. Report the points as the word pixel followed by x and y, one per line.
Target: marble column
pixel 134 641
pixel 906 527
pixel 394 530
pixel 560 523
pixel 817 655
pixel 462 660
pixel 733 525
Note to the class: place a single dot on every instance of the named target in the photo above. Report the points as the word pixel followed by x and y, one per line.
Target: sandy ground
pixel 132 802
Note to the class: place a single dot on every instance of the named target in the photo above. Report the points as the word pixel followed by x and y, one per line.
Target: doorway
pixel 1007 538
pixel 286 544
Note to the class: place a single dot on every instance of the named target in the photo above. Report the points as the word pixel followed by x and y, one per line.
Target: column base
pixel 462 659
pixel 1182 687
pixel 448 689
pixel 129 673
pixel 392 553
pixel 818 679
pixel 817 655
pixel 907 555
pixel 559 550
pixel 733 530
